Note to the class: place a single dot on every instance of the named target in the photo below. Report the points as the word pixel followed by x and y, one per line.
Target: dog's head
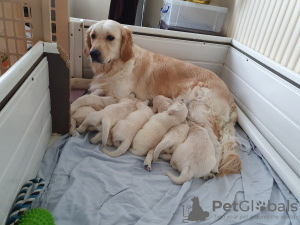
pixel 178 108
pixel 108 40
pixel 161 103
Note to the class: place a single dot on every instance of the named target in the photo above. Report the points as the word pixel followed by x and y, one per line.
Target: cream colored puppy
pixel 175 136
pixel 79 116
pixel 195 157
pixel 158 125
pixel 94 101
pixel 125 130
pixel 161 103
pixel 105 119
pixel 84 105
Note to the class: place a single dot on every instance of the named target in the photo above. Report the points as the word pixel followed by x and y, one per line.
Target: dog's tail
pixel 106 126
pixel 164 144
pixel 186 174
pixel 120 150
pixel 231 162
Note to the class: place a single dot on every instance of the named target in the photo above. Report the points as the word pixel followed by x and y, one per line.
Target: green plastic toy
pixel 36 216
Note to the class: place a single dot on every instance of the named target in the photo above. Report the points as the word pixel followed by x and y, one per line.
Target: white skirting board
pixel 270 101
pixel 268 111
pixel 25 130
pixel 286 72
pixel 284 171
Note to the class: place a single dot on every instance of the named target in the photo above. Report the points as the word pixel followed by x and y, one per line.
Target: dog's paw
pixel 72 132
pixel 209 176
pixel 215 171
pixel 94 140
pixel 109 143
pixel 99 92
pixel 148 167
pixel 80 129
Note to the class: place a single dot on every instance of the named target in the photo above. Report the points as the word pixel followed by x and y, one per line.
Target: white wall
pixel 23 147
pixel 90 9
pixel 152 13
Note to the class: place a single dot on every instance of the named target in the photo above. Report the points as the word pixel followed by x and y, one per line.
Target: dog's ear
pixel 126 45
pixel 172 110
pixel 88 43
pixel 132 95
pixel 181 100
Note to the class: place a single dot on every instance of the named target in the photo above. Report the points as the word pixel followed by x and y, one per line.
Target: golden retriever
pixel 195 157
pixel 106 118
pixel 84 105
pixel 125 130
pixel 157 126
pixel 121 67
pixel 161 103
pixel 175 136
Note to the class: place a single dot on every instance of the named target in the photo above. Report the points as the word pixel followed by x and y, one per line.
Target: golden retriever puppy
pixel 195 157
pixel 175 136
pixel 158 125
pixel 200 111
pixel 78 117
pixel 106 118
pixel 161 103
pixel 84 105
pixel 93 101
pixel 121 67
pixel 125 130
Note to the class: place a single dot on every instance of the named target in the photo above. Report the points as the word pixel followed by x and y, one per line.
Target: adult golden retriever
pixel 121 67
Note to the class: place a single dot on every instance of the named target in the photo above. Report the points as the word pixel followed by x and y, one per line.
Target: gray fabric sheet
pixel 85 186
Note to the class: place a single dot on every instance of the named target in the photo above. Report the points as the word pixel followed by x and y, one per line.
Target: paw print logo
pixel 261 206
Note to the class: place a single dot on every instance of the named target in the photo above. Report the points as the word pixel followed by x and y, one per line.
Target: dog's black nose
pixel 95 55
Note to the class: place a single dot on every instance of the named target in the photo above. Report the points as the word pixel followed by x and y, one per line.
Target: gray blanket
pixel 84 186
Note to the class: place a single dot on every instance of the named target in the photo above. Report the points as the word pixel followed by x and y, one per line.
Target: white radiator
pixel 271 27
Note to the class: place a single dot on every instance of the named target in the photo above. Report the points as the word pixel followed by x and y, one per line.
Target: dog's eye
pixel 93 36
pixel 110 38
